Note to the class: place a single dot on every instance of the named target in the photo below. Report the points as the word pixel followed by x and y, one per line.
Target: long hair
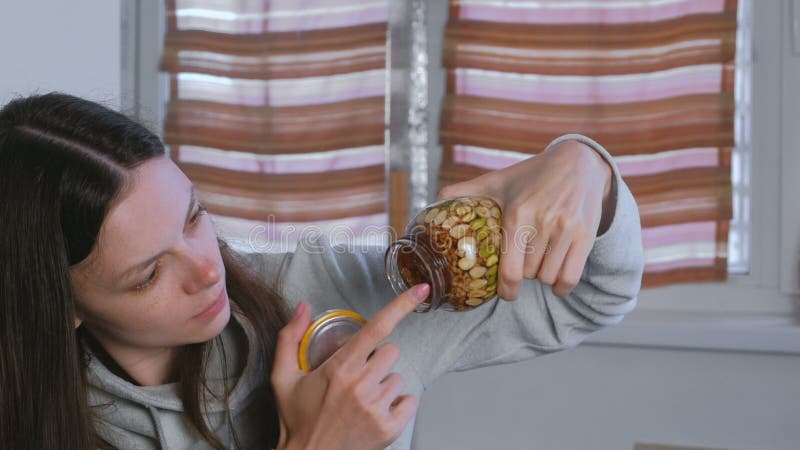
pixel 63 162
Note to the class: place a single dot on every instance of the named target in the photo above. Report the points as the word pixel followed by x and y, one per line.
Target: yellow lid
pixel 326 334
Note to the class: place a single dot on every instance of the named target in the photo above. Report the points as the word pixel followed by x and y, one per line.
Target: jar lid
pixel 329 331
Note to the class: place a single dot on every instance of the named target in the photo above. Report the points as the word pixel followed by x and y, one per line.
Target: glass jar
pixel 453 245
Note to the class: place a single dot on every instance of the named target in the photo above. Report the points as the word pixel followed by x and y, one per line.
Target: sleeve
pixel 352 277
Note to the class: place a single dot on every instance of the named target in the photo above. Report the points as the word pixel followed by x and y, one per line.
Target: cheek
pixel 155 311
pixel 157 320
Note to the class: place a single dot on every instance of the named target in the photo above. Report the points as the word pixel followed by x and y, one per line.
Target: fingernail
pixel 509 294
pixel 298 310
pixel 421 291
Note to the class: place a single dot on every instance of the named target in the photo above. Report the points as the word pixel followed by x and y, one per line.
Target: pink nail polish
pixel 421 291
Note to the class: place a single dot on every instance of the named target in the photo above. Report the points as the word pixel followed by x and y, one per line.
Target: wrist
pixel 606 172
pixel 285 442
pixel 600 162
pixel 607 213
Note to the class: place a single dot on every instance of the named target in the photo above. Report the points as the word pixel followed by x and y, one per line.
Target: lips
pixel 214 308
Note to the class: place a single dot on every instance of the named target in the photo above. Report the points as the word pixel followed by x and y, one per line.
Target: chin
pixel 215 327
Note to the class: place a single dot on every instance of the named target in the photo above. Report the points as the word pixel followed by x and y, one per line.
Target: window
pixel 754 309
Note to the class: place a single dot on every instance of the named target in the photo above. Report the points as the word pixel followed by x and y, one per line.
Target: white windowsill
pixel 698 330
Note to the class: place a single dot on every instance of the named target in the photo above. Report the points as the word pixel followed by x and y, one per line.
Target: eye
pixel 150 279
pixel 200 211
pixel 154 274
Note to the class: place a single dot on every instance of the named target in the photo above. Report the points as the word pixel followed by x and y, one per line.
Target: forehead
pixel 147 217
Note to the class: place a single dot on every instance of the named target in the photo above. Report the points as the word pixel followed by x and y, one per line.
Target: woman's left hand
pixel 553 208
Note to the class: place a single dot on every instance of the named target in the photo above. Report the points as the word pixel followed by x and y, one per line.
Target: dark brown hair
pixel 63 161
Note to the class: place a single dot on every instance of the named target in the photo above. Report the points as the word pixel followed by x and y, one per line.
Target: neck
pixel 140 366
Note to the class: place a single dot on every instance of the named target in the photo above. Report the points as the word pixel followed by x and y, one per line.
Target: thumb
pixel 454 190
pixel 286 366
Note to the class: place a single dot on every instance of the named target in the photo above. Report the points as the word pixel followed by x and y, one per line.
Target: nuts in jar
pixel 453 245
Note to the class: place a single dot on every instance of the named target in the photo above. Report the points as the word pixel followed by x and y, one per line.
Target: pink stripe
pixel 693 262
pixel 707 157
pixel 592 91
pixel 257 25
pixel 678 234
pixel 287 93
pixel 593 15
pixel 321 163
pixel 463 155
pixel 339 230
pixel 325 21
pixel 680 160
pixel 335 90
pixel 261 6
pixel 293 5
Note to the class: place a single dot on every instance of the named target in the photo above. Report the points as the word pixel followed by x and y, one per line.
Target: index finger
pixel 381 326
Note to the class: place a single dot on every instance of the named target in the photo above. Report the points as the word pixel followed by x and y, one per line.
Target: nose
pixel 203 273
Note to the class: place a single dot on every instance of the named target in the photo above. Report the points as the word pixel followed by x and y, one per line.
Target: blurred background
pixel 345 117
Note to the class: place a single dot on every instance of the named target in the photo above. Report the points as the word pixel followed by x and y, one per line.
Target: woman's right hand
pixel 351 401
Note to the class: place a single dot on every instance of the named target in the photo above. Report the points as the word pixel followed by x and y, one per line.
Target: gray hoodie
pixel 432 344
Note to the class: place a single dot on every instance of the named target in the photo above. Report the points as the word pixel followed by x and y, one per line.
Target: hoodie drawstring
pixel 162 442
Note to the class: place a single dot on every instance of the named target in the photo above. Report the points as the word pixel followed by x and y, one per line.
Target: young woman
pixel 125 322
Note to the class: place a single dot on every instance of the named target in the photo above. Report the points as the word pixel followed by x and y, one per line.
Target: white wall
pixel 608 398
pixel 70 46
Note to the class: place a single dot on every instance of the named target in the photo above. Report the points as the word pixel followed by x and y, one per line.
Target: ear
pixel 78 321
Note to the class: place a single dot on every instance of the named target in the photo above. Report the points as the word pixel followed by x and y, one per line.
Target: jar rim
pixel 428 257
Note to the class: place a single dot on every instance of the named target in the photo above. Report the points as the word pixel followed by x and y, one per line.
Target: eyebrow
pixel 142 265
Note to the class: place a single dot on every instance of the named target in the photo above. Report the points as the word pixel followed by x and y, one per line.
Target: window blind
pixel 651 80
pixel 276 114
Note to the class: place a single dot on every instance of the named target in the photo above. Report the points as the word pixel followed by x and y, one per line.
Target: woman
pixel 126 323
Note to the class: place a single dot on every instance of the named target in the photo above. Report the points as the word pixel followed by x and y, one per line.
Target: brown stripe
pixel 685 275
pixel 723 228
pixel 684 206
pixel 296 129
pixel 680 196
pixel 592 35
pixel 269 184
pixel 272 45
pixel 269 211
pixel 287 42
pixel 650 185
pixel 625 129
pixel 274 70
pixel 678 179
pixel 590 66
pixel 727 83
pixel 724 104
pixel 643 142
pixel 398 201
pixel 724 156
pixel 466 121
pixel 172 19
pixel 290 197
pixel 174 93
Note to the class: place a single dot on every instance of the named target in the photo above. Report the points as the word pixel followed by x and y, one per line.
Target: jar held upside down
pixel 453 245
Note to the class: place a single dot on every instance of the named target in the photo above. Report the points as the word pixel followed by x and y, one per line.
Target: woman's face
pixel 155 280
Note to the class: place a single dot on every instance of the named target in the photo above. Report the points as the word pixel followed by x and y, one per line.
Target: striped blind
pixel 652 80
pixel 276 114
